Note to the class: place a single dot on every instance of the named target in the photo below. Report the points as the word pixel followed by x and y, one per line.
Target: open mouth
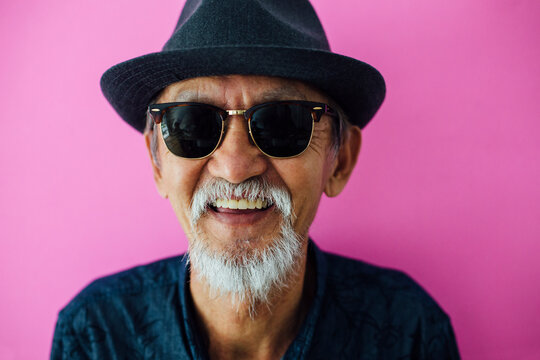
pixel 240 206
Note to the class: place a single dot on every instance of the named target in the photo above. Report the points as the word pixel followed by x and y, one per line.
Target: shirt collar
pixel 301 344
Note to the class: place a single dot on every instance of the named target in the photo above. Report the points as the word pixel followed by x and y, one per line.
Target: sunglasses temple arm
pixel 331 112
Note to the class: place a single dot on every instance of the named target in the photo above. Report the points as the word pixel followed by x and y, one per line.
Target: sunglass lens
pixel 282 130
pixel 191 131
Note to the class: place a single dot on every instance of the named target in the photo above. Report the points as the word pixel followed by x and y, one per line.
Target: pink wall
pixel 446 187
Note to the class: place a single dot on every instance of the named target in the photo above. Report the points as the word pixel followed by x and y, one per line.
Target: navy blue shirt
pixel 359 311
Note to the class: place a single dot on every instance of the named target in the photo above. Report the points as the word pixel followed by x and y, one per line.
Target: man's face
pixel 236 160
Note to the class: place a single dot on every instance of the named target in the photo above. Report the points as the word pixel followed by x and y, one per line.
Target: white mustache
pixel 252 189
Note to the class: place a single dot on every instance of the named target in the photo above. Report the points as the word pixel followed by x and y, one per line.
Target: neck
pixel 235 330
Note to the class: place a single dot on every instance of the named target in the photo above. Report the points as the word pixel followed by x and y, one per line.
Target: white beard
pixel 247 275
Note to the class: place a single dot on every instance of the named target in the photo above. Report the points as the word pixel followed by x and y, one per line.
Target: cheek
pixel 305 181
pixel 181 177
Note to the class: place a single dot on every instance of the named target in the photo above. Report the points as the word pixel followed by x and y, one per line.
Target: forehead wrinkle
pixel 201 93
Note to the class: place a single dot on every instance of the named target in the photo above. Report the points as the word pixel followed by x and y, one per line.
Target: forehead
pixel 240 89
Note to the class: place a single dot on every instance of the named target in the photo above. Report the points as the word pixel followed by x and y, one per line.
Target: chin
pixel 247 270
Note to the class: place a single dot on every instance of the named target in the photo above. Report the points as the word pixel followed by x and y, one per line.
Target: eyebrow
pixel 279 93
pixel 282 93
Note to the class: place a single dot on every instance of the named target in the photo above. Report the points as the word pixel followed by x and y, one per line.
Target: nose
pixel 237 158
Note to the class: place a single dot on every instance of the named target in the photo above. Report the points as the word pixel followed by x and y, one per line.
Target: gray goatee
pixel 248 276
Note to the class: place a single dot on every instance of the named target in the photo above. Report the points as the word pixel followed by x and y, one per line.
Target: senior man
pixel 248 118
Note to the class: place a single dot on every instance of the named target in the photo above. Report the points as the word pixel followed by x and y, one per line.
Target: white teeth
pixel 242 204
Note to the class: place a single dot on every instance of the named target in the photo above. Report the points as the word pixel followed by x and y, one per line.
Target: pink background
pixel 446 188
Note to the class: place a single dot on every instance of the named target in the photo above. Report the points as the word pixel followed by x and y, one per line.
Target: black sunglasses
pixel 280 129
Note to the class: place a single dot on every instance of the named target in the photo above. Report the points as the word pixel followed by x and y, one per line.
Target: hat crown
pixel 279 23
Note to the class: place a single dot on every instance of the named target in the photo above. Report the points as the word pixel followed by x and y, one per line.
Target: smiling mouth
pixel 240 206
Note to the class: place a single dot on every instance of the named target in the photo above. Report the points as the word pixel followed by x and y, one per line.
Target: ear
pixel 156 169
pixel 344 162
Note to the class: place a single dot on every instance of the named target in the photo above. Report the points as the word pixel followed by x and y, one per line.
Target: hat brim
pixel 357 87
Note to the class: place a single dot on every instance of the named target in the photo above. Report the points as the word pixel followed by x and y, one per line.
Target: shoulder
pixel 126 309
pixel 367 282
pixel 135 282
pixel 382 311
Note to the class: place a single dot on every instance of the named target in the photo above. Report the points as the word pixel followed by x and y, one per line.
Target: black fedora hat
pixel 282 38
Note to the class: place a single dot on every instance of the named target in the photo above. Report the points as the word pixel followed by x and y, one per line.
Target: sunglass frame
pixel 156 112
